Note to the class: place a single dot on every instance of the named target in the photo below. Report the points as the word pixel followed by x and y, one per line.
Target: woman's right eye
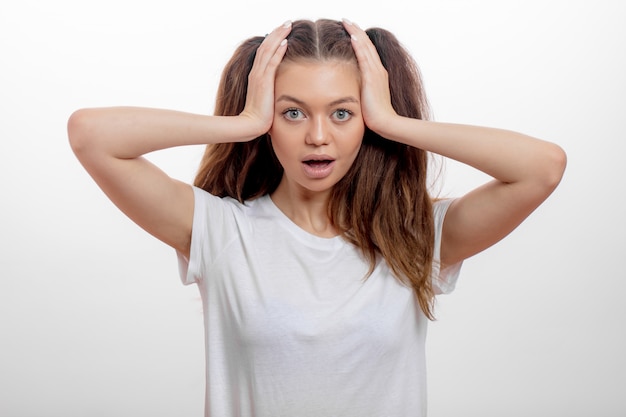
pixel 293 114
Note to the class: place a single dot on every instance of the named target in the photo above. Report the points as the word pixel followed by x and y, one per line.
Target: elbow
pixel 554 167
pixel 76 131
pixel 80 131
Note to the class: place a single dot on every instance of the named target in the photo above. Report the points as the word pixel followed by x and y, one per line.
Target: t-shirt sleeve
pixel 444 280
pixel 212 224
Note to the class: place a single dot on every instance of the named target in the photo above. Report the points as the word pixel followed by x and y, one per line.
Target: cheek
pixel 357 139
pixel 279 146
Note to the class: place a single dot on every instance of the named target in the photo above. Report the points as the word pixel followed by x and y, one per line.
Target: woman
pixel 309 230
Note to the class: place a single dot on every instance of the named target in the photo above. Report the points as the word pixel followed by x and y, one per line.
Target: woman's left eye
pixel 342 114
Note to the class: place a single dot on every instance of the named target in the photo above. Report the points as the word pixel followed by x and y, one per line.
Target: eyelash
pixel 289 110
pixel 348 112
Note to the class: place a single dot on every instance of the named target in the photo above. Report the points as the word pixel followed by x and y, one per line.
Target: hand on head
pixel 375 95
pixel 260 96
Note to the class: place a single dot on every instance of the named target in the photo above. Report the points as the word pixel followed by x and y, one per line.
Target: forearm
pixel 505 155
pixel 129 132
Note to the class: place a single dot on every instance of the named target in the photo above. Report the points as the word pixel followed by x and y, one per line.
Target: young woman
pixel 309 229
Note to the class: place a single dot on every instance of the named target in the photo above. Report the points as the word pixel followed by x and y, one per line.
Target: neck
pixel 307 209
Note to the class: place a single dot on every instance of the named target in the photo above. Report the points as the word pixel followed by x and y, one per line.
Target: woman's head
pixel 249 170
pixel 381 204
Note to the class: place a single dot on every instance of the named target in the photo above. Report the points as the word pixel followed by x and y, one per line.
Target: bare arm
pixel 525 170
pixel 110 144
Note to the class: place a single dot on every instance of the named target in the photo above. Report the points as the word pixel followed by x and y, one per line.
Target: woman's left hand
pixel 375 95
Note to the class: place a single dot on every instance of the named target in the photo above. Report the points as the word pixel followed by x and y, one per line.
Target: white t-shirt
pixel 292 327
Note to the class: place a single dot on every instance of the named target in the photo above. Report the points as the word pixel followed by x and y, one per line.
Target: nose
pixel 317 133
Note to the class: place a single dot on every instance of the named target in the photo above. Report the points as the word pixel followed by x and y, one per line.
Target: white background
pixel 93 318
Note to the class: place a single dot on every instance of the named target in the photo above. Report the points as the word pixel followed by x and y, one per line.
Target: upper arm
pixel 158 203
pixel 490 212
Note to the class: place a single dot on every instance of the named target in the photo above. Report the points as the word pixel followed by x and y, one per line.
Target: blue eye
pixel 292 114
pixel 343 114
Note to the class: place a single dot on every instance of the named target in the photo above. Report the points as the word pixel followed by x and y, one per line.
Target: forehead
pixel 318 78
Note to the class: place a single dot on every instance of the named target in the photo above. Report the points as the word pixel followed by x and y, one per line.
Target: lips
pixel 318 166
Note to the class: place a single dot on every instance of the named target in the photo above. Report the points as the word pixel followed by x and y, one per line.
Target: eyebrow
pixel 347 99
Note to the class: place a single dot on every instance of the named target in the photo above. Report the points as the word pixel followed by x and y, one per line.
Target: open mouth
pixel 318 167
pixel 318 163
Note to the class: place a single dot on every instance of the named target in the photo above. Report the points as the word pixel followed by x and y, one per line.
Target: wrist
pixel 384 126
pixel 250 127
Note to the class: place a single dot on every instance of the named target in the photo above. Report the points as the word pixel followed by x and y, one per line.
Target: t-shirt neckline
pixel 300 233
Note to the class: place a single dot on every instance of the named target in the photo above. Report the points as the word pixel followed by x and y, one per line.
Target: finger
pixel 277 58
pixel 363 47
pixel 279 33
pixel 273 44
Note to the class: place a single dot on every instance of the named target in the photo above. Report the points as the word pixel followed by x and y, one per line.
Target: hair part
pixel 382 204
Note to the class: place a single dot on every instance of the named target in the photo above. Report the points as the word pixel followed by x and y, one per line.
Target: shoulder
pixel 440 208
pixel 220 209
pixel 444 276
pixel 204 199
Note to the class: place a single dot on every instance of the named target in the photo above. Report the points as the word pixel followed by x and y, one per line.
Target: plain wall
pixel 94 320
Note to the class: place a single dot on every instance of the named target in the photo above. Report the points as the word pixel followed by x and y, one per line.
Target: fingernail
pixel 353 37
pixel 287 24
pixel 347 22
pixel 283 42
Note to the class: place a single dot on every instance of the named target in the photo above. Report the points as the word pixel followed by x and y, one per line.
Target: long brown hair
pixel 382 205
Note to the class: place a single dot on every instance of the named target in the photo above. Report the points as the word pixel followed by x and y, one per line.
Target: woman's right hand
pixel 259 106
